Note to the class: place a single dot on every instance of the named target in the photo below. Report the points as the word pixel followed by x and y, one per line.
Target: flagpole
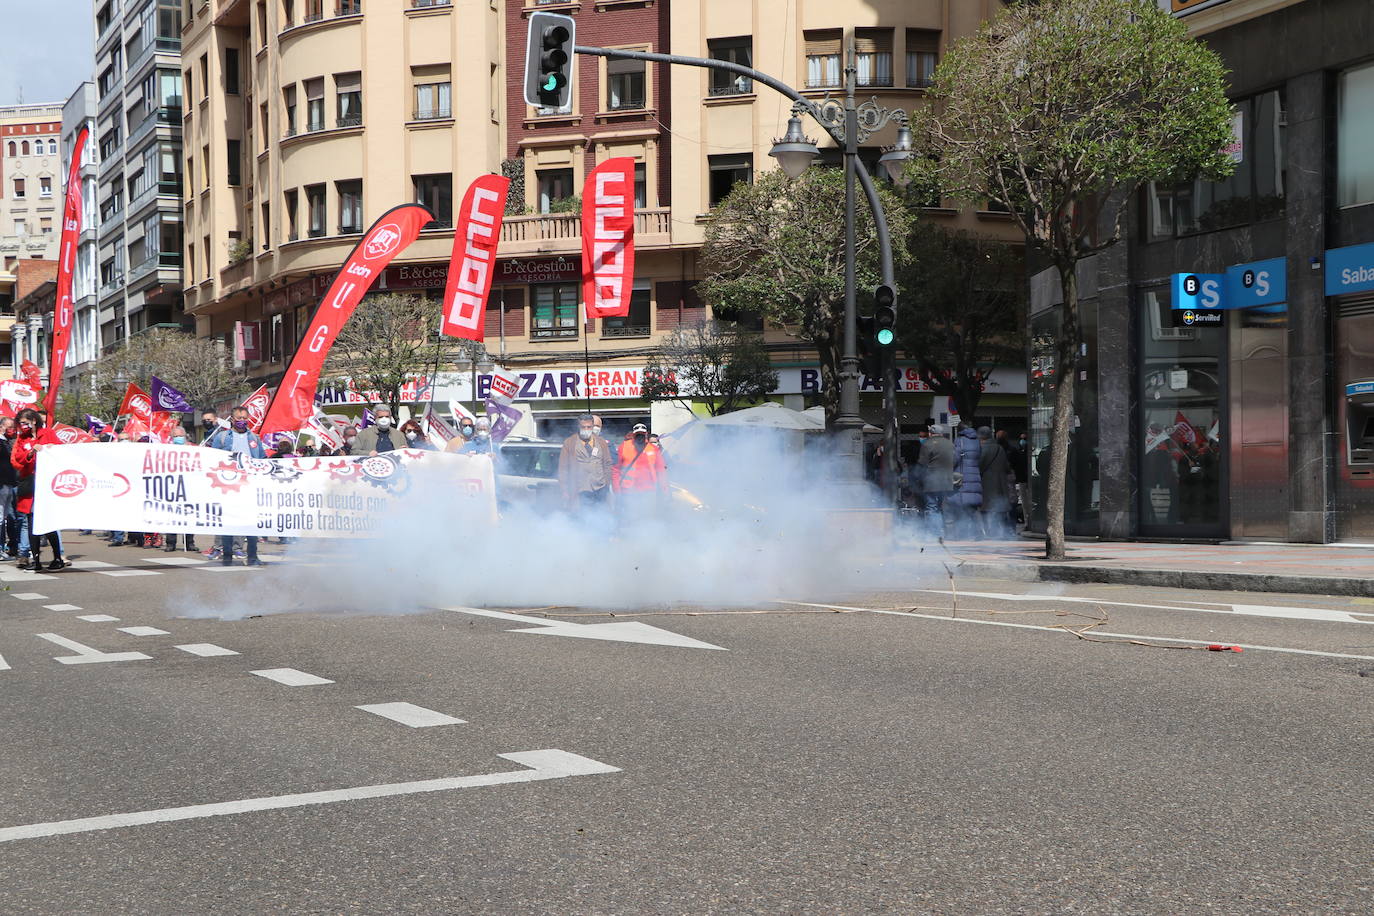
pixel 586 367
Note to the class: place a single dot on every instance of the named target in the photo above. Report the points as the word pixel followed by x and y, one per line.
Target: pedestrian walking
pixel 170 538
pixel 585 469
pixel 9 483
pixel 936 462
pixel 995 472
pixel 968 496
pixel 242 441
pixel 639 476
pixel 30 439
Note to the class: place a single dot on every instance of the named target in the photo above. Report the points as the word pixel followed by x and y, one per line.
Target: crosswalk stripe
pixel 142 631
pixel 291 677
pixel 410 714
pixel 206 649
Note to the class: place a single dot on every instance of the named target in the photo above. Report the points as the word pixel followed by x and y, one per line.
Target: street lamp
pixel 895 157
pixel 795 151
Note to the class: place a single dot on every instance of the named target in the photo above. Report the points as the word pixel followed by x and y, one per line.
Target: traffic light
pixel 548 60
pixel 884 315
pixel 870 357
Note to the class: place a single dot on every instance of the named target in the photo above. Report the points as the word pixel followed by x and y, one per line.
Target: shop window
pixel 314 204
pixel 435 193
pixel 624 84
pixel 555 310
pixel 1355 136
pixel 873 57
pixel 727 171
pixel 348 90
pixel 823 58
pixel 736 51
pixel 922 57
pixel 555 186
pixel 636 323
pixel 1254 192
pixel 350 206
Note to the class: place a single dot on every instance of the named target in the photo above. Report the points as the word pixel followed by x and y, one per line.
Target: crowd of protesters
pixel 966 483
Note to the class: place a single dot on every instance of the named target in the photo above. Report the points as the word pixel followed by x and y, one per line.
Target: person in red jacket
pixel 30 440
pixel 640 477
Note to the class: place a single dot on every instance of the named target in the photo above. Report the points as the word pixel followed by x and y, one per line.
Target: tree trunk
pixel 829 359
pixel 1066 371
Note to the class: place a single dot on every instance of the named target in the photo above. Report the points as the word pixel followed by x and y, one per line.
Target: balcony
pixel 624 331
pixel 554 333
pixel 350 121
pixel 561 233
pixel 111 286
pixel 427 4
pixel 433 114
pixel 740 86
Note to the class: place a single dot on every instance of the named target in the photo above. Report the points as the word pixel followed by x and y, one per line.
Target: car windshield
pixel 529 462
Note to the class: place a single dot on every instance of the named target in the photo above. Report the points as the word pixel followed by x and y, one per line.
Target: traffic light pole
pixel 843 123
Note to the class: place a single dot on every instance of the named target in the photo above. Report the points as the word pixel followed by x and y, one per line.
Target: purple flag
pixel 503 418
pixel 94 425
pixel 167 398
pixel 367 419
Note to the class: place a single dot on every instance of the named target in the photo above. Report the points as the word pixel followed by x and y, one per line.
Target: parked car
pixel 527 475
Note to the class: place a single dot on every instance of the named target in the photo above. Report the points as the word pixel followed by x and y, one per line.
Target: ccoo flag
pixel 294 401
pixel 474 257
pixel 608 238
pixel 66 261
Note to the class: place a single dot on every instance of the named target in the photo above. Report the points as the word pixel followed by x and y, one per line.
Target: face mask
pixel 178 440
pixel 584 434
pixel 240 426
pixel 639 437
pixel 411 435
pixel 351 439
pixel 483 434
pixel 467 432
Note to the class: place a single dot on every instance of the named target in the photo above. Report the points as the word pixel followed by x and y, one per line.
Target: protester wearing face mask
pixel 350 436
pixel 585 467
pixel 381 436
pixel 31 439
pixel 212 423
pixel 481 442
pixel 170 538
pixel 415 436
pixel 640 477
pixel 467 431
pixel 9 483
pixel 241 441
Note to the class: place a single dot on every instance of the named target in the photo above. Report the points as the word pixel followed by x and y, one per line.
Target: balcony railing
pixel 433 114
pixel 350 121
pixel 553 333
pixel 290 132
pixel 625 331
pixel 313 17
pixel 555 226
pixel 425 4
pixel 741 86
pixel 348 7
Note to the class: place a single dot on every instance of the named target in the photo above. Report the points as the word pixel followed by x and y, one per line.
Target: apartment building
pixel 138 180
pixel 307 120
pixel 30 181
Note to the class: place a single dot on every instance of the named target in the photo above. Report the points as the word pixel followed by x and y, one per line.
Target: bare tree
pixel 390 339
pixel 715 363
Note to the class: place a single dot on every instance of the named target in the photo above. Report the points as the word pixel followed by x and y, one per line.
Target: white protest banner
pixel 195 490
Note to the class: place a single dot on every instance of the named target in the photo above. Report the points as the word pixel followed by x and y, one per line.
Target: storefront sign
pixel 1357 389
pixel 539 270
pixel 414 276
pixel 1349 270
pixel 1189 318
pixel 1257 283
pixel 1198 291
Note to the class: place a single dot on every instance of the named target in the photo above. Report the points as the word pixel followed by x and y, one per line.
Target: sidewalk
pixel 1318 569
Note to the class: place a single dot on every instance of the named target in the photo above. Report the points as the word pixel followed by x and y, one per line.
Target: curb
pixel 1172 578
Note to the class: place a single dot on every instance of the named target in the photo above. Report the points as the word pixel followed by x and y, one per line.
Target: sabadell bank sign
pixel 1349 270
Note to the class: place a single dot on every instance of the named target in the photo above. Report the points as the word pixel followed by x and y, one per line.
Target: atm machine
pixel 1359 428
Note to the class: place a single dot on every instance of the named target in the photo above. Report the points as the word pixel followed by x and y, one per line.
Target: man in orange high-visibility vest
pixel 640 477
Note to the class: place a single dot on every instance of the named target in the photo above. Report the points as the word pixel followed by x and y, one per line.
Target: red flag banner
pixel 608 238
pixel 137 403
pixel 474 257
pixel 256 405
pixel 161 426
pixel 294 401
pixel 66 260
pixel 69 435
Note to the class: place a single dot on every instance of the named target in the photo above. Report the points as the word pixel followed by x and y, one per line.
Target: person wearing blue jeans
pixel 240 440
pixel 9 483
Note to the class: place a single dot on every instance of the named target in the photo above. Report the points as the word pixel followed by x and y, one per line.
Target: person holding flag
pixel 241 441
pixel 31 439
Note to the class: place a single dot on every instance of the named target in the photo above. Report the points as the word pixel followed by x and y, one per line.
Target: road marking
pixel 1031 626
pixel 61 607
pixel 542 765
pixel 1249 610
pixel 142 631
pixel 620 631
pixel 110 569
pixel 291 677
pixel 98 618
pixel 220 567
pixel 409 714
pixel 4 665
pixel 177 561
pixel 206 649
pixel 92 564
pixel 29 596
pixel 9 574
pixel 85 655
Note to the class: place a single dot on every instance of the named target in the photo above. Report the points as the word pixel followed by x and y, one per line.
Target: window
pixel 205 167
pixel 314 104
pixel 625 84
pixel 823 58
pixel 190 84
pixel 25 147
pixel 554 185
pixel 435 193
pixel 19 189
pixel 635 324
pixel 314 11
pixel 737 51
pixel 266 226
pixel 348 90
pixel 20 226
pixel 231 71
pixel 45 187
pixel 235 152
pixel 288 96
pixel 169 169
pixel 45 225
pixel 13 150
pixel 52 147
pixel 727 171
pixel 1254 192
pixel 641 186
pixel 349 8
pixel 293 231
pixel 1354 136
pixel 262 120
pixel 107 80
pixel 922 57
pixel 314 203
pixel 169 243
pixel 555 310
pixel 431 93
pixel 109 272
pixel 262 24
pixel 350 206
pixel 169 26
pixel 205 76
pixel 288 13
pixel 873 56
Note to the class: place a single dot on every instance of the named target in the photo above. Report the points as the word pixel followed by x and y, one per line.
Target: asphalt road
pixel 961 753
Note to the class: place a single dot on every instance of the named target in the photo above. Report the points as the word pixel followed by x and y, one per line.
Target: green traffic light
pixel 885 336
pixel 551 82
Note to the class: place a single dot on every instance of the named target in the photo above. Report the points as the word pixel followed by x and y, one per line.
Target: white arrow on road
pixel 620 631
pixel 1249 610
